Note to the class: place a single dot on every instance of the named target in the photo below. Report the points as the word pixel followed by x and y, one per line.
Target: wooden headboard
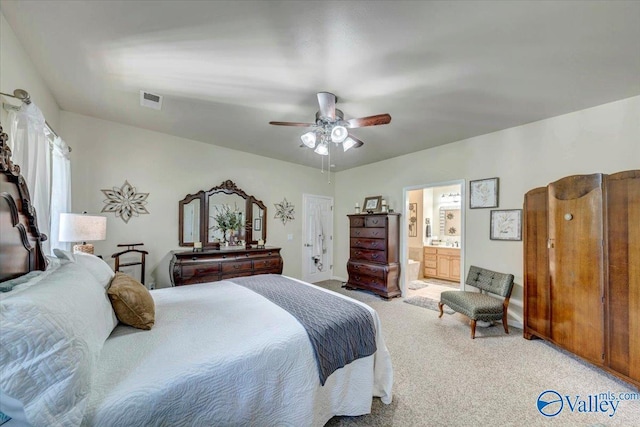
pixel 20 239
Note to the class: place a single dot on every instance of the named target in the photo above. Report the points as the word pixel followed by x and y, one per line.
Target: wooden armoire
pixel 582 268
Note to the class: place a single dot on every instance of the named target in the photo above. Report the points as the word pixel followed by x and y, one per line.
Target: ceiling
pixel 445 71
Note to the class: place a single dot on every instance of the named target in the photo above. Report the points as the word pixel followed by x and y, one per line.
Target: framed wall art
pixel 483 193
pixel 372 204
pixel 413 220
pixel 506 224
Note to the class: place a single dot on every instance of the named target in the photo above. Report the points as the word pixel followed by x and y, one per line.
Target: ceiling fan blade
pixel 327 102
pixel 359 143
pixel 379 119
pixel 292 124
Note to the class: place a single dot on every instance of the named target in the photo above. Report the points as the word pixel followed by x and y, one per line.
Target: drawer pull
pixel 194 258
pixel 236 266
pixel 374 256
pixel 357 233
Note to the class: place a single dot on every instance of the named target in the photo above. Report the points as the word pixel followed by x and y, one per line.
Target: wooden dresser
pixel 443 263
pixel 188 267
pixel 374 253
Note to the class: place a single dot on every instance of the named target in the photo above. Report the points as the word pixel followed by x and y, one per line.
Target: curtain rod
pixel 24 96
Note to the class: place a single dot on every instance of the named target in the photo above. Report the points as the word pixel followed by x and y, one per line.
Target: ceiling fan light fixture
pixel 339 133
pixel 309 139
pixel 348 143
pixel 322 149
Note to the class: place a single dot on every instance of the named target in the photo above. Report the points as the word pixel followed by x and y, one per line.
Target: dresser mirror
pixel 222 216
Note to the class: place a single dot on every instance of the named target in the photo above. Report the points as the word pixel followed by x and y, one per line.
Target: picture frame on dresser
pixel 372 204
pixel 506 224
pixel 484 193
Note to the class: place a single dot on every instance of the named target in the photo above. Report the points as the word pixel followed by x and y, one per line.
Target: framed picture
pixel 257 224
pixel 483 193
pixel 413 220
pixel 372 204
pixel 506 224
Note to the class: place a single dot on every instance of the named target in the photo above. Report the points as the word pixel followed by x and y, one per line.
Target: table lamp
pixel 82 228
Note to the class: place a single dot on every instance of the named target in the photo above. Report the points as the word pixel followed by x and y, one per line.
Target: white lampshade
pixel 348 143
pixel 322 149
pixel 82 228
pixel 339 133
pixel 309 139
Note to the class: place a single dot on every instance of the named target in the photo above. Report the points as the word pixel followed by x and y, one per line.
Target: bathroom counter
pixel 442 247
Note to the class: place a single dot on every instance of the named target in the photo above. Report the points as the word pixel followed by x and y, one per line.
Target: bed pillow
pixel 132 302
pixel 96 266
pixel 51 335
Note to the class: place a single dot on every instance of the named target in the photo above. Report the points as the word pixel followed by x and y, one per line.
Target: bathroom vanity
pixel 442 262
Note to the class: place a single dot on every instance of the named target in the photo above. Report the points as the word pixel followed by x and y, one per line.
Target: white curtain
pixel 60 190
pixel 30 151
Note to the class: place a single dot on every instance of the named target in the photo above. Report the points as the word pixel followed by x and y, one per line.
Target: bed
pixel 224 353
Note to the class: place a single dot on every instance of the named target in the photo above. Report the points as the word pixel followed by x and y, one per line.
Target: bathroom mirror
pixel 450 221
pixel 222 214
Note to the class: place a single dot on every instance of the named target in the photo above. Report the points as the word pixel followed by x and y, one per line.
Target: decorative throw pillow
pixel 132 302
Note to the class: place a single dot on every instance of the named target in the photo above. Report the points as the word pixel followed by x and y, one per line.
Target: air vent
pixel 151 100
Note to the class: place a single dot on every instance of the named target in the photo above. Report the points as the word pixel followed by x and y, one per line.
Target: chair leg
pixel 440 307
pixel 504 321
pixel 473 329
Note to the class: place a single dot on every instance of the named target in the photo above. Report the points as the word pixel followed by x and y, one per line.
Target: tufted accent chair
pixel 479 305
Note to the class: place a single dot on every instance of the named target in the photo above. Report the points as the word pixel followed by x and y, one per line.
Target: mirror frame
pixel 227 187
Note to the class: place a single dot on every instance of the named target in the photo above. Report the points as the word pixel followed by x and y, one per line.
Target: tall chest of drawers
pixel 374 253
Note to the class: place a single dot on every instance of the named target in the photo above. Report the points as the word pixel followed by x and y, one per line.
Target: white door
pixel 317 232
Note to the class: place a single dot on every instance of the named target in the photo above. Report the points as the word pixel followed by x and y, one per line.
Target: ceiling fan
pixel 330 126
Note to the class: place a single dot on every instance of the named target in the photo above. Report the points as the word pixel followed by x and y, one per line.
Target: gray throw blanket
pixel 340 331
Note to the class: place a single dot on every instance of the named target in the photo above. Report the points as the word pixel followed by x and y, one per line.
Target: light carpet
pixel 443 378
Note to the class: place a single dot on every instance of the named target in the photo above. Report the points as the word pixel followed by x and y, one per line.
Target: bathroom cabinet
pixel 442 263
pixel 374 253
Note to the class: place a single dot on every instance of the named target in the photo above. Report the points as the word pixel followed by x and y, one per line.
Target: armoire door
pixel 576 265
pixel 537 303
pixel 623 212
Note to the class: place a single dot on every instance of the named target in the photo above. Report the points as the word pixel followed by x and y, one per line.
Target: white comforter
pixel 220 354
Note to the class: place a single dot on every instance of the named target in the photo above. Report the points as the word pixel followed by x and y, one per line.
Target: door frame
pixel 404 241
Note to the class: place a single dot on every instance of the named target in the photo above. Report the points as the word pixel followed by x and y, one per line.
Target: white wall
pixel 601 139
pixel 18 72
pixel 105 154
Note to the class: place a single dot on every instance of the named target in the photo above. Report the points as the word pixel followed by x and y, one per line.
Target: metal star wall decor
pixel 285 211
pixel 125 202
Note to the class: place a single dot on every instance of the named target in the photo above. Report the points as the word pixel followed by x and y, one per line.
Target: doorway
pixel 317 229
pixel 433 239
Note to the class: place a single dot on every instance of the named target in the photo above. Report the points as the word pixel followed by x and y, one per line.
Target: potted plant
pixel 227 220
